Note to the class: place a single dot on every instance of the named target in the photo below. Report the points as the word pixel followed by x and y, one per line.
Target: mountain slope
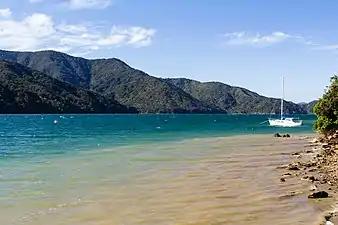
pixel 112 78
pixel 136 88
pixel 23 90
pixel 308 107
pixel 233 99
pixel 73 70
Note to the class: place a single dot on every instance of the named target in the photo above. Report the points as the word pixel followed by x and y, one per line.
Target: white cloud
pixel 332 47
pixel 88 4
pixel 320 46
pixel 5 13
pixel 39 31
pixel 81 4
pixel 70 28
pixel 136 36
pixel 33 31
pixel 256 39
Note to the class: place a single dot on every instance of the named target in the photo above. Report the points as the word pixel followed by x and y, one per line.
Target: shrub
pixel 326 109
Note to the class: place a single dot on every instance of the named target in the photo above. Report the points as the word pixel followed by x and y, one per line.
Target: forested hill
pixel 114 80
pixel 234 99
pixel 23 90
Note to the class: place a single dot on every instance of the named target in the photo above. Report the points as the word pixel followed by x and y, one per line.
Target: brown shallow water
pixel 230 180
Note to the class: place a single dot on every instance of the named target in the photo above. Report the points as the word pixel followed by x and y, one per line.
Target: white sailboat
pixel 284 121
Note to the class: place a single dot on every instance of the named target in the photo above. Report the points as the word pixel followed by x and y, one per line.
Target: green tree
pixel 326 109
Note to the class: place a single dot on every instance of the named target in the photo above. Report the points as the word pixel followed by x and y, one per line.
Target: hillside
pixel 308 107
pixel 114 79
pixel 73 70
pixel 234 99
pixel 23 90
pixel 135 88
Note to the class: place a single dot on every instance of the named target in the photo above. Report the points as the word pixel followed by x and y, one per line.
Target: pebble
pixel 312 178
pixel 293 167
pixel 319 194
pixel 313 188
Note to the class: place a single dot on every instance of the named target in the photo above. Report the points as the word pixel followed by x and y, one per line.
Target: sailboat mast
pixel 282 99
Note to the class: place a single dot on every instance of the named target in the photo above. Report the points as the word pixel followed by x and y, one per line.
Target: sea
pixel 161 169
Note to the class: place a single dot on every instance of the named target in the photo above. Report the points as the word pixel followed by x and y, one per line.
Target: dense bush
pixel 326 109
pixel 23 90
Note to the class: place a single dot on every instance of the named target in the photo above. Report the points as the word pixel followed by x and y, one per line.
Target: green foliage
pixel 326 109
pixel 23 90
pixel 114 79
pixel 135 88
pixel 234 99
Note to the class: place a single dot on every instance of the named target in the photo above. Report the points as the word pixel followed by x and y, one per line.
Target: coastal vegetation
pixel 317 162
pixel 326 109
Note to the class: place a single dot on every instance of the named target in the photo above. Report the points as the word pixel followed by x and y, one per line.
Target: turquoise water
pixel 141 169
pixel 38 135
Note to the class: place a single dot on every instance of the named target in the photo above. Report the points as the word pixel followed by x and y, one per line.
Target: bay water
pixel 147 169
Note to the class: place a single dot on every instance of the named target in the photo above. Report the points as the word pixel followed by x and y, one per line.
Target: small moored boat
pixel 284 121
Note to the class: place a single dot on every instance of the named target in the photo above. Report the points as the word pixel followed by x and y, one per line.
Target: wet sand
pixel 232 180
pixel 317 163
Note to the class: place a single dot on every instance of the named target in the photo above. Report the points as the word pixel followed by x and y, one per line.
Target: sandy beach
pixel 230 180
pixel 316 164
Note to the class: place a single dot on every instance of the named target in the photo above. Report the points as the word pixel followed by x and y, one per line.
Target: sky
pixel 244 43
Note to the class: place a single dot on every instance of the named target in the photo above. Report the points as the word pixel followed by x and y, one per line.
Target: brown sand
pixel 317 163
pixel 215 181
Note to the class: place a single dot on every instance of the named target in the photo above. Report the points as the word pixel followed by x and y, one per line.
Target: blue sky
pixel 244 43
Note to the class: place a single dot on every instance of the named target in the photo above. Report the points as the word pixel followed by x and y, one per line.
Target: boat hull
pixel 284 123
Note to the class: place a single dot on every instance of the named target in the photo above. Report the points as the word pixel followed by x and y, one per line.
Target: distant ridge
pixel 234 99
pixel 308 107
pixel 134 89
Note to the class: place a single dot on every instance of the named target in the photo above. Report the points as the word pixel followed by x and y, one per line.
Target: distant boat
pixel 284 121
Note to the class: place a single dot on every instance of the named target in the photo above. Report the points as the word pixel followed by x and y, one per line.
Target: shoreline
pixel 316 163
pixel 208 174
